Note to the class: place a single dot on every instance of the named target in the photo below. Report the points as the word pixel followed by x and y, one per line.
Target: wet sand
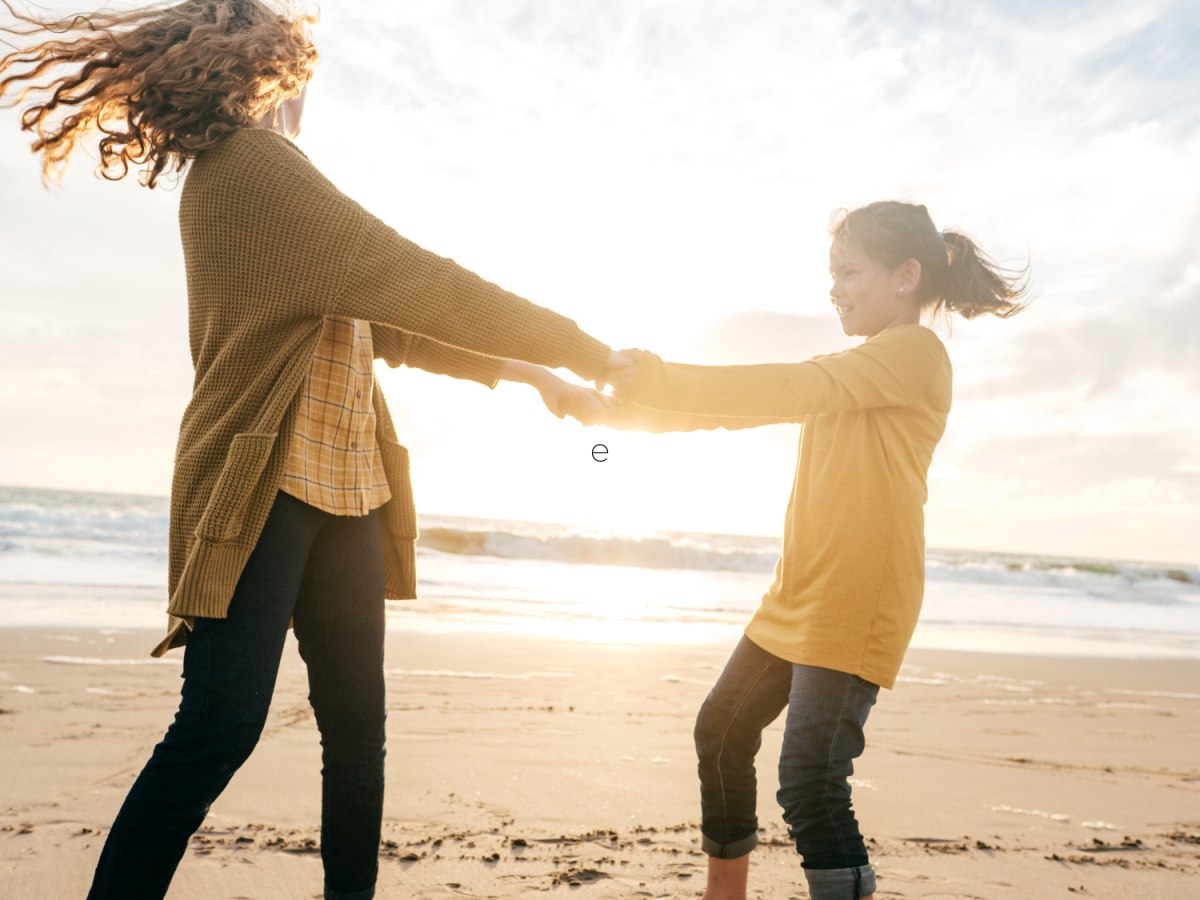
pixel 524 764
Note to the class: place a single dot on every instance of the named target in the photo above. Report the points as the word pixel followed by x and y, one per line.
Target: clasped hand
pixel 591 407
pixel 620 371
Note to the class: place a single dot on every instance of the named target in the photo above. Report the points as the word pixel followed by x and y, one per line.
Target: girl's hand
pixel 580 403
pixel 561 398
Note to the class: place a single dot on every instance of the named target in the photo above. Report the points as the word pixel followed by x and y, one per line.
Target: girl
pixel 291 498
pixel 834 626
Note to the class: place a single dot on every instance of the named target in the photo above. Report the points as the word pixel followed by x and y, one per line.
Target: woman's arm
pixel 397 348
pixel 262 199
pixel 893 369
pixel 391 280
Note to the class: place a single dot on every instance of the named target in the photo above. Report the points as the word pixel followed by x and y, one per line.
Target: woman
pixel 834 626
pixel 291 498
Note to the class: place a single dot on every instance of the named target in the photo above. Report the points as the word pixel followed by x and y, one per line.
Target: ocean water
pixel 70 558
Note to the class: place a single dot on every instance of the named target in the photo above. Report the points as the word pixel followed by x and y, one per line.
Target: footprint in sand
pixel 576 877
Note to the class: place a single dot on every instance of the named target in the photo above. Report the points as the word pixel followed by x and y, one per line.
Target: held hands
pixel 620 371
pixel 580 403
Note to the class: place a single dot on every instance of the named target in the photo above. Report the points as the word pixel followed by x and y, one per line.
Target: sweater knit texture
pixel 849 585
pixel 271 248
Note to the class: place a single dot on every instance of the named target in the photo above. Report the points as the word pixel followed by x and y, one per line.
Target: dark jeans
pixel 327 572
pixel 822 737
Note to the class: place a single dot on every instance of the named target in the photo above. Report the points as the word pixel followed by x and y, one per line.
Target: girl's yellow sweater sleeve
pixel 893 369
pixel 630 416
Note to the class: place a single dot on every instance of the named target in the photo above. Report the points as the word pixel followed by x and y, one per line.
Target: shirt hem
pixel 885 678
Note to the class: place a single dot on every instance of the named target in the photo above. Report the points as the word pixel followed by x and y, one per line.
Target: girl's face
pixel 869 297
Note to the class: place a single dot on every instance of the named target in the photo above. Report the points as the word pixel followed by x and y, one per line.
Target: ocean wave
pixel 34 514
pixel 76 537
pixel 759 554
pixel 1101 579
pixel 597 550
pixel 82 562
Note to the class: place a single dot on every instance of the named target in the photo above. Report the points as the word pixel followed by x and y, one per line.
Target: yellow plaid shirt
pixel 335 464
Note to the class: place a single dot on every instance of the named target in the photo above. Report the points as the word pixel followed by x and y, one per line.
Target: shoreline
pixel 41 606
pixel 519 762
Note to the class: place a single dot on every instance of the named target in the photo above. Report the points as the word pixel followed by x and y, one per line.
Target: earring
pixel 902 290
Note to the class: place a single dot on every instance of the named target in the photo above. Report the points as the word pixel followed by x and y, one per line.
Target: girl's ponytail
pixel 976 285
pixel 956 275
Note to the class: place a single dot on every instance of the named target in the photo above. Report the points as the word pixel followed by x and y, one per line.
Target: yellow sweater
pixel 271 249
pixel 848 587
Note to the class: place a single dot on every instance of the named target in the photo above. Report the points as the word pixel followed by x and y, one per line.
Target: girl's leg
pixel 747 697
pixel 229 670
pixel 340 627
pixel 727 878
pixel 824 735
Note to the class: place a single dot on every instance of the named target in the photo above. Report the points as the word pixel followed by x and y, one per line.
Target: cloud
pixel 1152 69
pixel 663 173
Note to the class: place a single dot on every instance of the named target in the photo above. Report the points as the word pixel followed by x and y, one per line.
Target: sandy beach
pixel 529 764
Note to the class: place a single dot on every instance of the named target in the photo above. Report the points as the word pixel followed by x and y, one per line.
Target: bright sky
pixel 663 172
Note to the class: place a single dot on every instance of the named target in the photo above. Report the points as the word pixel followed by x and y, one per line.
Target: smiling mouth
pixel 843 310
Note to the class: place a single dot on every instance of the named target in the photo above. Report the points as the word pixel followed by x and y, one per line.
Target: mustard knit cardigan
pixel 271 248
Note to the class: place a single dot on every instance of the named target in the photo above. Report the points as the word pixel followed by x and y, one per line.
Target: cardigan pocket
pixel 226 510
pixel 401 511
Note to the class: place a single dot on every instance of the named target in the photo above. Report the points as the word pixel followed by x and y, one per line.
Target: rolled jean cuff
pixel 729 851
pixel 853 883
pixel 364 894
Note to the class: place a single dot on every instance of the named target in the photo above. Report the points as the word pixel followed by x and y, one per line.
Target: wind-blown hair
pixel 161 84
pixel 956 275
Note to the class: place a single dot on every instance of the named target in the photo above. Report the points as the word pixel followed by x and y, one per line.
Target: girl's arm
pixel 893 369
pixel 630 416
pixel 561 398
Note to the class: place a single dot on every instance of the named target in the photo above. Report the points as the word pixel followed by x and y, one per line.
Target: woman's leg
pixel 229 670
pixel 340 626
pixel 823 736
pixel 748 696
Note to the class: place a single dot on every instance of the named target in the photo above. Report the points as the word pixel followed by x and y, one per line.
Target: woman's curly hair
pixel 161 83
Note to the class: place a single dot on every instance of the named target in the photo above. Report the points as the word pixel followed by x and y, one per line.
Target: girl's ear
pixel 908 276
